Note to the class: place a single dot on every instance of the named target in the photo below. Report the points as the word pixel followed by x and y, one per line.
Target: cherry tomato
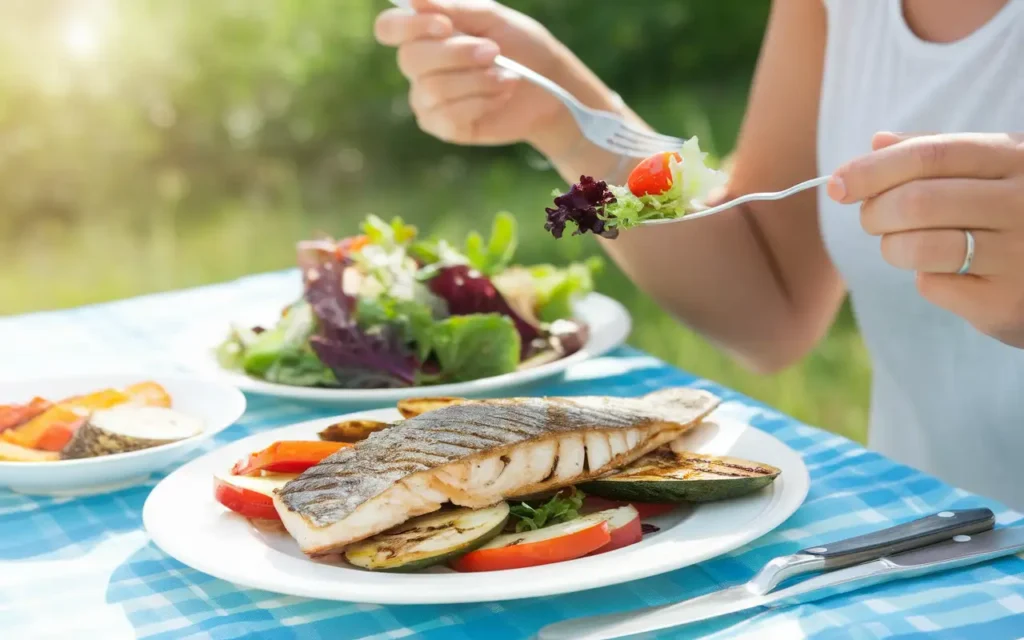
pixel 653 176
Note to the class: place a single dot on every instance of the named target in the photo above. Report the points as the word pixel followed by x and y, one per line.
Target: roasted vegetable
pixel 412 407
pixel 287 456
pixel 429 540
pixel 667 476
pixel 351 430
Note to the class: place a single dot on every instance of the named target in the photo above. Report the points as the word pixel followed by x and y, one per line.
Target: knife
pixel 933 543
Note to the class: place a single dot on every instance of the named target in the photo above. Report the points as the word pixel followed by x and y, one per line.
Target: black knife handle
pixel 903 537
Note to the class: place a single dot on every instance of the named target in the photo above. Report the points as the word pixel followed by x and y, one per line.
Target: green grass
pixel 57 267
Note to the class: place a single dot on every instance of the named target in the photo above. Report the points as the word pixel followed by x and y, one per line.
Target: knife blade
pixel 880 551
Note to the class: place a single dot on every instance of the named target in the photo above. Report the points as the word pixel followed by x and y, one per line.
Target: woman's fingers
pixel 950 203
pixel 425 57
pixel 944 250
pixel 457 121
pixel 969 155
pixel 431 92
pixel 396 27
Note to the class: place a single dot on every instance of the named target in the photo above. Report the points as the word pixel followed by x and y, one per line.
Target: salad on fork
pixel 664 186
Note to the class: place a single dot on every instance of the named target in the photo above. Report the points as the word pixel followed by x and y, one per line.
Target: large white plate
pixel 183 519
pixel 609 324
pixel 217 404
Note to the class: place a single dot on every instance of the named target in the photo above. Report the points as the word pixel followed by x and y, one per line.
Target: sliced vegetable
pixel 623 527
pixel 287 456
pixel 593 504
pixel 12 415
pixel 15 453
pixel 667 476
pixel 52 429
pixel 556 543
pixel 250 496
pixel 351 430
pixel 429 540
pixel 412 407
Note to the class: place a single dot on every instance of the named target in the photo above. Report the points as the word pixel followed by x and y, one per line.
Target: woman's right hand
pixel 456 92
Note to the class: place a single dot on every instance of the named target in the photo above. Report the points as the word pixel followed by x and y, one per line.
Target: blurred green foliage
pixel 152 144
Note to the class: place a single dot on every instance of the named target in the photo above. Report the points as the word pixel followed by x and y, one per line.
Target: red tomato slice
pixel 623 528
pixel 556 543
pixel 287 456
pixel 250 496
pixel 653 176
pixel 592 504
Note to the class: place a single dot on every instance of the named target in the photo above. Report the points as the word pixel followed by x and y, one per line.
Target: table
pixel 84 568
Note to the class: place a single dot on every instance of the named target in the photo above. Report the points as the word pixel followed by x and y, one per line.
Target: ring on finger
pixel 968 255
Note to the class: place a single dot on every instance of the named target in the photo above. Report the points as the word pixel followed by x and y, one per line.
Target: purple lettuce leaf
pixel 584 205
pixel 357 358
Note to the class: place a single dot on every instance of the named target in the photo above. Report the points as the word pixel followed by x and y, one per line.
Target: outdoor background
pixel 159 144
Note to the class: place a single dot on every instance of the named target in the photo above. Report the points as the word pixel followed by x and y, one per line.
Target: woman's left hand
pixel 921 193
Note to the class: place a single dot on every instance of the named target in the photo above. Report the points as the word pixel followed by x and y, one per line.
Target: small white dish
pixel 214 402
pixel 608 321
pixel 184 520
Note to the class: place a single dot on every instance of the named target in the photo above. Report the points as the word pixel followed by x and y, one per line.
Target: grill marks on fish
pixel 475 455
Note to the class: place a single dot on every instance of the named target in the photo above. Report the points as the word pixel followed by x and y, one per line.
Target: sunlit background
pixel 147 145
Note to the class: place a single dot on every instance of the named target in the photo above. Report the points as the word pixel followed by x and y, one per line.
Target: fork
pixel 604 128
pixel 750 197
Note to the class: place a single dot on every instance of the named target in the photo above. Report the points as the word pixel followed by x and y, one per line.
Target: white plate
pixel 217 404
pixel 608 321
pixel 186 522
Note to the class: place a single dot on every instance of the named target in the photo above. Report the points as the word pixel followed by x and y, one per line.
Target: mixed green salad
pixel 387 308
pixel 665 185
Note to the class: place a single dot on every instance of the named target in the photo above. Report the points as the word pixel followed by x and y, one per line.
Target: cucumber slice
pixel 429 540
pixel 682 476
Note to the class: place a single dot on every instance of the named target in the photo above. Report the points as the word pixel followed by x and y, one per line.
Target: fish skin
pixel 332 490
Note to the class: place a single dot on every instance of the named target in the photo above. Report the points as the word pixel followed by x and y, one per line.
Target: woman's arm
pixel 756 281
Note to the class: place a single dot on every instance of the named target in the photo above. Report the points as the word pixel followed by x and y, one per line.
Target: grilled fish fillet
pixel 475 455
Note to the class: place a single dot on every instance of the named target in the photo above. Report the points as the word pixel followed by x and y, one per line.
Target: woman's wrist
pixel 560 139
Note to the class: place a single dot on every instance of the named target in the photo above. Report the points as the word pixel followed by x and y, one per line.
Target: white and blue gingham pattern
pixel 84 568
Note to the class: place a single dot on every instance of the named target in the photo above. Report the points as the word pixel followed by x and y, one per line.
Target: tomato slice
pixel 646 510
pixel 623 527
pixel 251 497
pixel 287 456
pixel 653 176
pixel 557 543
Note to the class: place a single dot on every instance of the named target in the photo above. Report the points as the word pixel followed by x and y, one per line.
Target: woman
pixel 765 282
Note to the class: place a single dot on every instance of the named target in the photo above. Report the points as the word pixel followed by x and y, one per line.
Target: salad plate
pixel 89 434
pixel 384 315
pixel 187 522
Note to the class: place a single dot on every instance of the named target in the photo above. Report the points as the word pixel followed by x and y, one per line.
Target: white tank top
pixel 946 399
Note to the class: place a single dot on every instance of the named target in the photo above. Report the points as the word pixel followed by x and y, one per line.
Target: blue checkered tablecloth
pixel 84 568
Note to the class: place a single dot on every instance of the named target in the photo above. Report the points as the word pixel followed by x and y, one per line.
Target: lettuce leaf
pixel 558 288
pixel 472 347
pixel 562 507
pixel 358 358
pixel 500 248
pixel 388 234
